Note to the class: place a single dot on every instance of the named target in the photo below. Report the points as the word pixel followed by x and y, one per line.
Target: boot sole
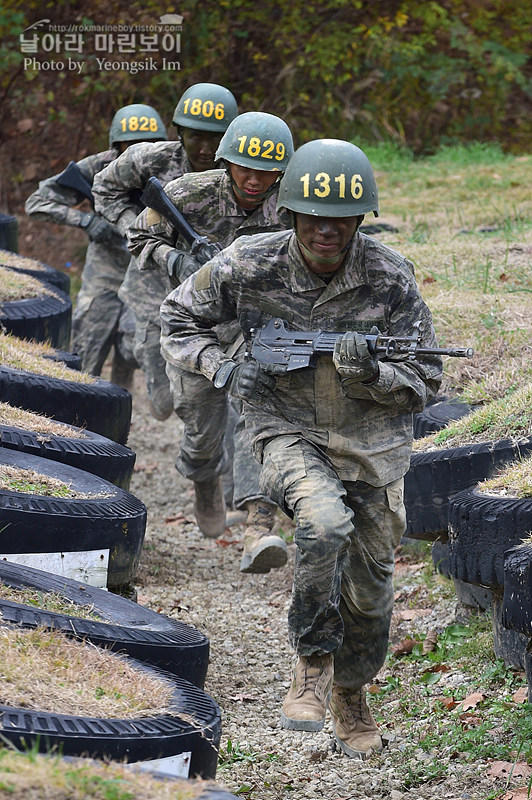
pixel 310 725
pixel 270 555
pixel 362 755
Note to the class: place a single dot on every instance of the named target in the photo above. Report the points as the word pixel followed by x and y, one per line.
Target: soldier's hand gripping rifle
pixel 201 248
pixel 275 345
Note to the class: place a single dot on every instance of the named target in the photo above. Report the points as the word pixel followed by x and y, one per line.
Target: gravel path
pixel 198 581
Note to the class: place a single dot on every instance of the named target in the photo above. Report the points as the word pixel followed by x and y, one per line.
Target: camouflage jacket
pixel 113 188
pixel 368 434
pixel 208 204
pixel 55 203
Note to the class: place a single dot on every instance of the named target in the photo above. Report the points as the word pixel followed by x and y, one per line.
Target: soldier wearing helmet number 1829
pixel 201 116
pixel 221 205
pixel 99 315
pixel 335 439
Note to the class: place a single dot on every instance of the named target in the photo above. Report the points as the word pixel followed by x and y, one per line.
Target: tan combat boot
pixel 263 549
pixel 305 705
pixel 209 507
pixel 355 729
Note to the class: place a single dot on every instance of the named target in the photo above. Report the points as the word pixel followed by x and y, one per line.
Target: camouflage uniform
pixel 98 310
pixel 142 291
pixel 207 201
pixel 333 453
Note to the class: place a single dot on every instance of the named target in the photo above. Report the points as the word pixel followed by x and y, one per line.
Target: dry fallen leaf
pixel 404 648
pixel 517 794
pixel 509 770
pixel 446 702
pixel 471 701
pixel 521 695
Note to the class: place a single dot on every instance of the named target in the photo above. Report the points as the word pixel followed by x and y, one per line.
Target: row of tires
pixel 106 519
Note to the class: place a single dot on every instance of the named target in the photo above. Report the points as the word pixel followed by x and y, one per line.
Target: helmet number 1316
pixel 323 179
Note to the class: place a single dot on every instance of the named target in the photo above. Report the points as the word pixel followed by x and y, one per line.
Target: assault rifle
pixel 274 343
pixel 155 197
pixel 73 177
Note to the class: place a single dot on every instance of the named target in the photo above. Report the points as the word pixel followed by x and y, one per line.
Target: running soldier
pixel 222 205
pixel 202 115
pixel 334 440
pixel 99 321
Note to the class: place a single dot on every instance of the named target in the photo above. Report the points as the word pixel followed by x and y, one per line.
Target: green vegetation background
pixel 419 73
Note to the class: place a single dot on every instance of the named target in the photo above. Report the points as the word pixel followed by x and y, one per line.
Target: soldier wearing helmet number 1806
pixel 201 116
pixel 335 439
pixel 99 315
pixel 222 205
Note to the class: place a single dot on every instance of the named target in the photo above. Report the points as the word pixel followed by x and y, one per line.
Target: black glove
pixel 98 230
pixel 247 381
pixel 180 265
pixel 353 360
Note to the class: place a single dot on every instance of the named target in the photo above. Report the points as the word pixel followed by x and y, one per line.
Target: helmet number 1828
pixel 323 188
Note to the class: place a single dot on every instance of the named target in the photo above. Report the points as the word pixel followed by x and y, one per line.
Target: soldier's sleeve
pixel 190 312
pixel 55 203
pixel 406 385
pixel 150 238
pixel 112 186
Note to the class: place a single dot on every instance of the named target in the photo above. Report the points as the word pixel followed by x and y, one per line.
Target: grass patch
pixel 31 357
pixel 28 481
pixel 16 261
pixel 47 601
pixel 29 421
pixel 514 481
pixel 18 286
pixel 509 417
pixel 72 677
pixel 30 776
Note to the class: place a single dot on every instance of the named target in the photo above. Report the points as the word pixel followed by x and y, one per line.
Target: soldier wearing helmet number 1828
pixel 201 116
pixel 221 205
pixel 335 439
pixel 100 320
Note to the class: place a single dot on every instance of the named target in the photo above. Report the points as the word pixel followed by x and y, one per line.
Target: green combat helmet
pixel 329 178
pixel 136 123
pixel 206 107
pixel 258 141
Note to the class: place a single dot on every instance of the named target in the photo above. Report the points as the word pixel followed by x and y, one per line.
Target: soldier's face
pixel 251 185
pixel 324 240
pixel 201 147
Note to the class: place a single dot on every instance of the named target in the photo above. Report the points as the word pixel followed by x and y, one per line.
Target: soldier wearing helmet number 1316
pixel 201 116
pixel 222 205
pixel 335 439
pixel 99 315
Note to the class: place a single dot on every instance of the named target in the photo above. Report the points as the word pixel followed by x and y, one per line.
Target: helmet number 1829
pixel 323 188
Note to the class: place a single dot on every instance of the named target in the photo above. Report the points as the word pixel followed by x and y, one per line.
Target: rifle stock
pixel 155 197
pixel 73 178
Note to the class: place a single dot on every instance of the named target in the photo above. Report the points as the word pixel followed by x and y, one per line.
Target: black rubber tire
pixel 37 269
pixel 94 453
pixel 71 360
pixel 481 529
pixel 440 557
pixel 437 415
pixel 517 597
pixel 46 318
pixel 132 740
pixel 467 595
pixel 126 627
pixel 437 475
pixel 101 406
pixel 509 645
pixel 8 233
pixel 37 524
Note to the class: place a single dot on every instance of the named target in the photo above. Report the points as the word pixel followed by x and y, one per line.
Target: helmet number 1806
pixel 323 181
pixel 205 108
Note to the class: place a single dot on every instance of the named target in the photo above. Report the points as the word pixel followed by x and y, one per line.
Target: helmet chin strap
pixel 243 196
pixel 320 259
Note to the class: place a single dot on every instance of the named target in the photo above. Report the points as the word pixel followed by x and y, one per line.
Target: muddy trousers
pixel 214 433
pixel 346 532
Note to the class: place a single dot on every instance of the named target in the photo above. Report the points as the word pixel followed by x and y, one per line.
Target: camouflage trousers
pixel 346 532
pixel 98 314
pixel 215 439
pixel 144 292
